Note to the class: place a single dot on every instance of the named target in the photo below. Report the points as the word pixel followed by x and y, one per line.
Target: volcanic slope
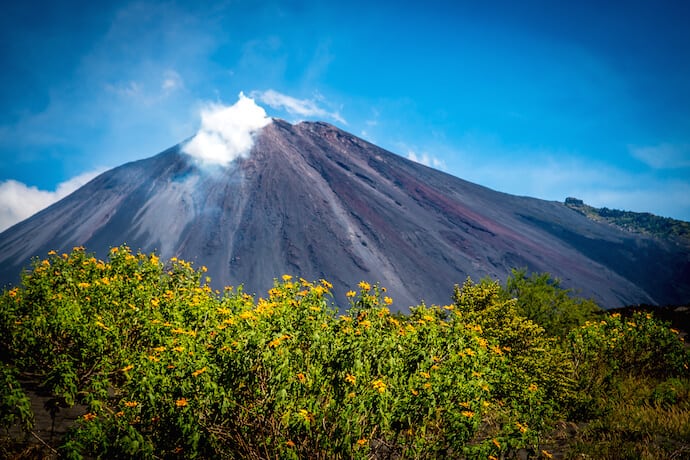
pixel 314 201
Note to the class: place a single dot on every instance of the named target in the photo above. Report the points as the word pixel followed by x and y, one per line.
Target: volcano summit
pixel 314 201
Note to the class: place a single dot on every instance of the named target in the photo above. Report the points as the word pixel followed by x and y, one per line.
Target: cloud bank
pixel 663 156
pixel 293 106
pixel 227 132
pixel 19 201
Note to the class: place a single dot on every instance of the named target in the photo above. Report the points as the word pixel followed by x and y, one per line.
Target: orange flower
pixel 90 416
pixel 131 404
pixel 197 373
pixel 181 402
pixel 301 377
pixel 127 368
pixel 362 442
pixel 496 443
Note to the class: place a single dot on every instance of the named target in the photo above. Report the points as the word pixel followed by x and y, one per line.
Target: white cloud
pixel 663 156
pixel 426 160
pixel 227 132
pixel 171 82
pixel 19 201
pixel 148 91
pixel 294 106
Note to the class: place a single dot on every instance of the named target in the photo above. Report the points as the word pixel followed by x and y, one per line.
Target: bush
pixel 168 367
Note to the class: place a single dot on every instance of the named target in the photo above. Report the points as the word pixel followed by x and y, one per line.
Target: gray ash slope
pixel 314 201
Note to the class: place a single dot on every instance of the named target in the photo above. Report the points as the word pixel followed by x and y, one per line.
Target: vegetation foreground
pixel 166 367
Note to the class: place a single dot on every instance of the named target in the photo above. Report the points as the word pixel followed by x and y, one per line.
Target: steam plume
pixel 226 132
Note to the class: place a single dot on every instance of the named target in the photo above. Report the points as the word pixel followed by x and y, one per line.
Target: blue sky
pixel 531 98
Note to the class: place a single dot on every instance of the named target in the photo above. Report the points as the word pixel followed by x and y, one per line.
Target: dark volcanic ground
pixel 314 201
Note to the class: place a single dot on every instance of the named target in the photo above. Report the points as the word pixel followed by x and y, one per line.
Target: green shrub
pixel 168 367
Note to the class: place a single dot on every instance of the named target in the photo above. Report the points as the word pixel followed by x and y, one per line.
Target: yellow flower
pixel 546 454
pixel 301 377
pixel 131 404
pixel 90 416
pixel 351 293
pixel 496 443
pixel 119 414
pixel 387 300
pixel 428 318
pixel 277 341
pixel 425 375
pixel 532 387
pixel 349 378
pixel 363 285
pixel 379 386
pixel 287 278
pixel 362 442
pixel 414 392
pixel 181 402
pixel 467 413
pixel 306 415
pixel 199 372
pixel 127 368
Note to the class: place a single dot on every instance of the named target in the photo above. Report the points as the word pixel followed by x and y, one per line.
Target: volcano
pixel 314 201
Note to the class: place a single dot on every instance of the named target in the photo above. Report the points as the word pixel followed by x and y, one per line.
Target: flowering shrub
pixel 167 367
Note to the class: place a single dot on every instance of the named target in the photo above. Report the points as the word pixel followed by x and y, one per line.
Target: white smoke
pixel 227 133
pixel 19 201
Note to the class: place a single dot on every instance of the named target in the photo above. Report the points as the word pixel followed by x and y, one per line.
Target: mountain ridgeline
pixel 313 201
pixel 636 222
